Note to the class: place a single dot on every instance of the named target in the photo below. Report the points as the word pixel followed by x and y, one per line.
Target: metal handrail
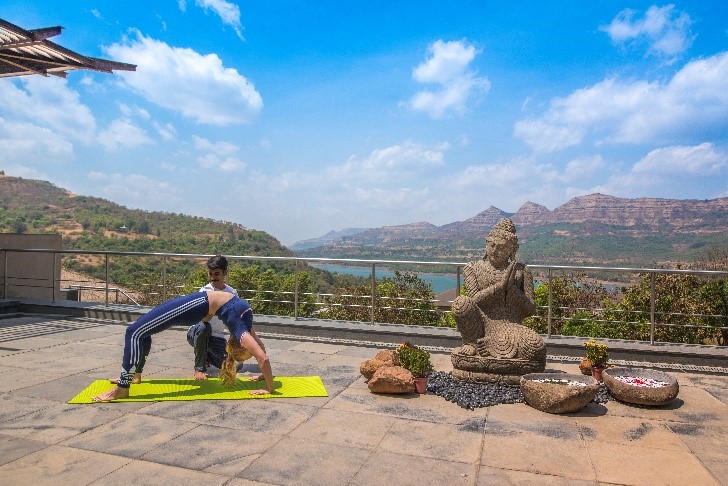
pixel 457 268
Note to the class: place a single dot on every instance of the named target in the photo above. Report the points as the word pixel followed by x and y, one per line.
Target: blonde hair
pixel 235 353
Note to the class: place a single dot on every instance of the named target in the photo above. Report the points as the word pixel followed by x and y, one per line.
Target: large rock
pixel 370 366
pixel 389 356
pixel 558 397
pixel 641 395
pixel 392 379
pixel 383 358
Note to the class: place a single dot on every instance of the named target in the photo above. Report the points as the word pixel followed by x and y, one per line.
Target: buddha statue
pixel 499 295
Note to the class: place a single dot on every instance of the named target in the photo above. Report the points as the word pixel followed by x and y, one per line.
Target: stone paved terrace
pixel 351 437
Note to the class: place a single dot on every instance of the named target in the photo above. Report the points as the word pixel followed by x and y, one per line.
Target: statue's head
pixel 503 236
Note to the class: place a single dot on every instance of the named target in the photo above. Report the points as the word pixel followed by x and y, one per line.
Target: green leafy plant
pixel 414 359
pixel 597 352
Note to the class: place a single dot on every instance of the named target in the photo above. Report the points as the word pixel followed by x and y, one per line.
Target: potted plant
pixel 417 361
pixel 598 355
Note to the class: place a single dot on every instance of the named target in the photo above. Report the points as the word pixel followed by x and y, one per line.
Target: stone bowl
pixel 558 397
pixel 640 395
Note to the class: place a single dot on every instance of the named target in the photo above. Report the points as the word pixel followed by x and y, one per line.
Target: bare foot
pixel 260 392
pixel 135 381
pixel 113 394
pixel 256 378
pixel 200 375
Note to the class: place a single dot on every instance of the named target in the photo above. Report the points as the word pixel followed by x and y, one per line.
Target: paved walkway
pixel 351 437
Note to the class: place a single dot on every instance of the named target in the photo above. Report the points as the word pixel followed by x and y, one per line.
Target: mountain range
pixel 593 228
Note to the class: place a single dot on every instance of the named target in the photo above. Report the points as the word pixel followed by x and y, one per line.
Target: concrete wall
pixel 32 274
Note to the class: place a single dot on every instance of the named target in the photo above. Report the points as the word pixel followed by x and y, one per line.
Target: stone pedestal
pixel 493 370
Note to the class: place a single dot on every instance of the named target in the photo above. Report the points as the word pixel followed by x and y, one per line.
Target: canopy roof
pixel 24 52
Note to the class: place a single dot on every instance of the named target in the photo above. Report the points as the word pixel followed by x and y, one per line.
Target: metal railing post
pixel 295 297
pixel 458 283
pixel 5 274
pixel 53 278
pixel 164 279
pixel 652 308
pixel 548 328
pixel 374 289
pixel 106 281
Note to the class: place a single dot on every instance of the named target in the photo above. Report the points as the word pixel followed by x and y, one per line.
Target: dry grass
pixel 93 290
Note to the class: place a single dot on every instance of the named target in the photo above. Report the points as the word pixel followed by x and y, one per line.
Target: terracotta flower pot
pixel 596 372
pixel 421 384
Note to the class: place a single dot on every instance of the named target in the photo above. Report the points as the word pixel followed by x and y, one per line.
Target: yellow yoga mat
pixel 170 389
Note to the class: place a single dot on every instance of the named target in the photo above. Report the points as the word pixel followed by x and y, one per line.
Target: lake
pixel 440 282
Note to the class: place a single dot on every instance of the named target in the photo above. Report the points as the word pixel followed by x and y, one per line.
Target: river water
pixel 440 282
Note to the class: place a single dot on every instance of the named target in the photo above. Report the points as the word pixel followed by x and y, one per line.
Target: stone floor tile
pixel 14 405
pixel 360 352
pixel 305 462
pixel 60 389
pixel 318 347
pixel 143 473
pixel 352 429
pixel 266 415
pixel 404 470
pixel 195 411
pixel 58 422
pixel 706 379
pixel 12 448
pixel 535 453
pixel 456 443
pixel 701 439
pixel 634 464
pixel 297 358
pixel 209 447
pixel 628 430
pixel 130 436
pixel 429 408
pixel 692 405
pixel 718 467
pixel 11 381
pixel 64 465
pixel 489 476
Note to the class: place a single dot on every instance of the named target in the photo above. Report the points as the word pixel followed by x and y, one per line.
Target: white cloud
pixel 692 106
pixel 167 131
pixel 583 169
pixel 447 67
pixel 223 164
pixel 180 79
pixel 665 30
pixel 390 165
pixel 219 156
pixel 48 102
pixel 123 133
pixel 228 12
pixel 674 172
pixel 136 191
pixel 702 160
pixel 26 143
pixel 219 148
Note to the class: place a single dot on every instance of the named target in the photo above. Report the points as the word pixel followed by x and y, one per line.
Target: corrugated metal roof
pixel 24 52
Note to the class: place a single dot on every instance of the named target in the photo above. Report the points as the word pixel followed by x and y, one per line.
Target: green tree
pixel 404 299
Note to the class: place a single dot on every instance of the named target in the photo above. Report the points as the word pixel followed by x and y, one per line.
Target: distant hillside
pixel 593 229
pixel 91 223
pixel 330 237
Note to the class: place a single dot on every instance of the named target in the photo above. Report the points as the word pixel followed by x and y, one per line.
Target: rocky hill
pixel 91 223
pixel 585 230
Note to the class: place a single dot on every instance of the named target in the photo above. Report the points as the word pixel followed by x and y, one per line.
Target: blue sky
pixel 297 118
